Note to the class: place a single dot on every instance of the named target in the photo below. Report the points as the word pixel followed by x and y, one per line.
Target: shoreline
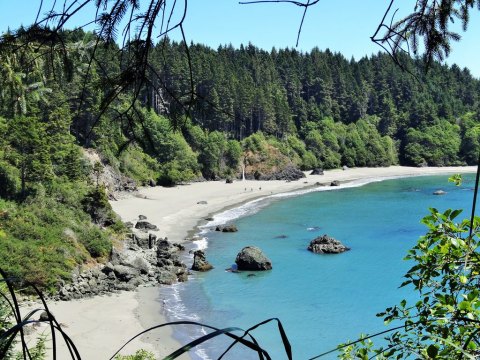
pixel 100 325
pixel 178 213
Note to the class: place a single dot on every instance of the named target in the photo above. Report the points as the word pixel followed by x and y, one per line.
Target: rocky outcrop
pixel 200 262
pixel 144 260
pixel 114 181
pixel 317 171
pixel 326 245
pixel 145 225
pixel 227 228
pixel 252 258
pixel 289 173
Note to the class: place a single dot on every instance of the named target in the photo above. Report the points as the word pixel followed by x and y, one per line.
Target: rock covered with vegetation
pixel 326 245
pixel 252 258
pixel 141 262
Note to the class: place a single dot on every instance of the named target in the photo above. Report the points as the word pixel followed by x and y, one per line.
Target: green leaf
pixel 432 351
pixel 456 179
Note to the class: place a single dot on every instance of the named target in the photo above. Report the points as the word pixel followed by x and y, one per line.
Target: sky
pixel 342 26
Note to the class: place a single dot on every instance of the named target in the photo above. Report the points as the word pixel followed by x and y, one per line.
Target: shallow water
pixel 321 300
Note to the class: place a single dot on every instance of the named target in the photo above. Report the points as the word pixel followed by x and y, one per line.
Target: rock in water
pixel 229 228
pixel 252 258
pixel 326 245
pixel 200 262
pixel 439 192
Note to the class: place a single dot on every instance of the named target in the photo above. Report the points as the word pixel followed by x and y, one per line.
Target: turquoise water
pixel 321 300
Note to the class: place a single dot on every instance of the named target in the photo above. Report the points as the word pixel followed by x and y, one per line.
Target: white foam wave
pixel 201 244
pixel 256 205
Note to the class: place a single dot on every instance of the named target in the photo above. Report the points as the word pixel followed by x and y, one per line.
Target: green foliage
pixel 139 355
pixel 95 203
pixel 47 235
pixel 437 145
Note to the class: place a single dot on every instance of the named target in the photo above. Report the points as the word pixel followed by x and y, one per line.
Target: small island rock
pixel 326 245
pixel 252 258
pixel 227 228
pixel 200 262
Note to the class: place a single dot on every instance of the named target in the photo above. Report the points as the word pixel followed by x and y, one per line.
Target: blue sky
pixel 342 26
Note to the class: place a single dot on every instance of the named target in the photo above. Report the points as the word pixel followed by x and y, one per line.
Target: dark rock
pixel 125 273
pixel 317 171
pixel 252 258
pixel 344 167
pixel 229 181
pixel 439 192
pixel 166 278
pixel 229 228
pixel 152 183
pixel 43 316
pixel 289 173
pixel 335 183
pixel 200 262
pixel 202 202
pixel 145 225
pixel 326 245
pixel 124 286
pixel 281 237
pixel 209 218
pixel 142 217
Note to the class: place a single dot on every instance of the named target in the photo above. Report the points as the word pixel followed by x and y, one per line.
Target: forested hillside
pixel 346 112
pixel 249 108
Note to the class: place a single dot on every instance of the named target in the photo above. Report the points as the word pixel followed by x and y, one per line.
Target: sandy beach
pixel 99 326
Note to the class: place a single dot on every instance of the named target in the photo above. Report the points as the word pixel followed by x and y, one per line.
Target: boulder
pixel 142 217
pixel 317 171
pixel 229 181
pixel 326 245
pixel 335 183
pixel 125 273
pixel 252 258
pixel 202 202
pixel 200 262
pixel 145 225
pixel 227 228
pixel 439 192
pixel 344 167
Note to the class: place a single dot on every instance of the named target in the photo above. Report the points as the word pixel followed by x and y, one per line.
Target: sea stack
pixel 252 258
pixel 326 245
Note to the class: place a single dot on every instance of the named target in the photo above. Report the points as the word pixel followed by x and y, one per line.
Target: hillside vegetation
pixel 253 109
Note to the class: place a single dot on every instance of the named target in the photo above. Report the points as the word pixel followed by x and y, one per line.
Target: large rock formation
pixel 289 173
pixel 326 245
pixel 200 262
pixel 252 258
pixel 143 260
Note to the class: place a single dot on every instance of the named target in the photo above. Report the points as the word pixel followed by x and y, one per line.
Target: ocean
pixel 321 300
